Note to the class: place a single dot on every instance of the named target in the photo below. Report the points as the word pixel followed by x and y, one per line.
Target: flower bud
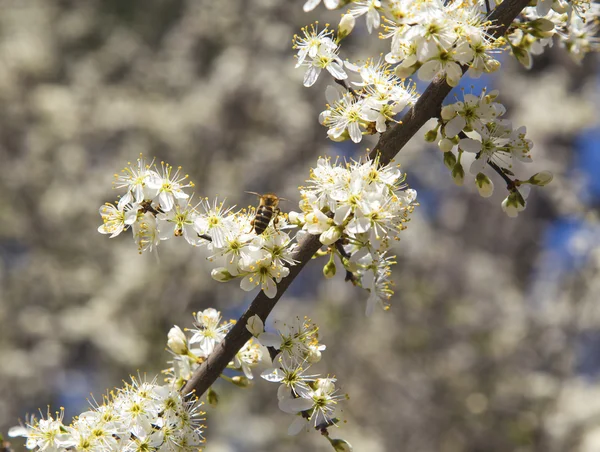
pixel 330 236
pixel 341 445
pixel 255 325
pixel 484 185
pixel 445 145
pixel 541 28
pixel 241 381
pixel 329 269
pixel 343 137
pixel 492 66
pixel 403 72
pixel 314 354
pixel 177 341
pixel 449 160
pixel 522 56
pixel 346 25
pixel 212 397
pixel 296 218
pixel 221 274
pixel 542 178
pixel 432 134
pixel 458 174
pixel 492 95
pixel 513 204
pixel 448 112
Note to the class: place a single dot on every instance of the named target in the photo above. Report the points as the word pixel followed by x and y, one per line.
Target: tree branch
pixel 388 146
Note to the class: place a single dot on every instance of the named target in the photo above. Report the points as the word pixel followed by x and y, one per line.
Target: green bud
pixel 449 160
pixel 340 445
pixel 241 381
pixel 484 185
pixel 329 269
pixel 221 274
pixel 431 135
pixel 458 174
pixel 212 398
pixel 542 178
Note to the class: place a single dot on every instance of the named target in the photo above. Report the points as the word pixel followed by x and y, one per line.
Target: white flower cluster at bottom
pixel 142 416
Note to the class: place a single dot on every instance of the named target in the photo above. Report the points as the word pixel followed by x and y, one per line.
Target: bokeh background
pixel 493 340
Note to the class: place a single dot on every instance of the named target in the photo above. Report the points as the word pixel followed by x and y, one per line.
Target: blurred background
pixel 493 339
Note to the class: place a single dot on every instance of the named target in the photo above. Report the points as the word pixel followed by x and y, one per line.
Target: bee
pixel 267 209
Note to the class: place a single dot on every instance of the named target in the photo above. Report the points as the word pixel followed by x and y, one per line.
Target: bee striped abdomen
pixel 262 219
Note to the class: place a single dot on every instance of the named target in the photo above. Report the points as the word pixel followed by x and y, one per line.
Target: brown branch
pixel 388 146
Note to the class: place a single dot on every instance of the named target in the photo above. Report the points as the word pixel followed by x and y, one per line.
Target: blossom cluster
pixel 356 209
pixel 156 208
pixel 575 23
pixel 141 416
pixel 435 39
pixel 311 397
pixel 368 105
pixel 189 353
pixel 474 125
pixel 365 106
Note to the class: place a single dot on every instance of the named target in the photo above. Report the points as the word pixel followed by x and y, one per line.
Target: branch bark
pixel 390 143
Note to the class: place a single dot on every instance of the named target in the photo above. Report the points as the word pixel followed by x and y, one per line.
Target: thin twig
pixel 388 146
pixel 510 184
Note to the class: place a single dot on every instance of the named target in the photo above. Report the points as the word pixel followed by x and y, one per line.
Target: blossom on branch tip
pixel 316 51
